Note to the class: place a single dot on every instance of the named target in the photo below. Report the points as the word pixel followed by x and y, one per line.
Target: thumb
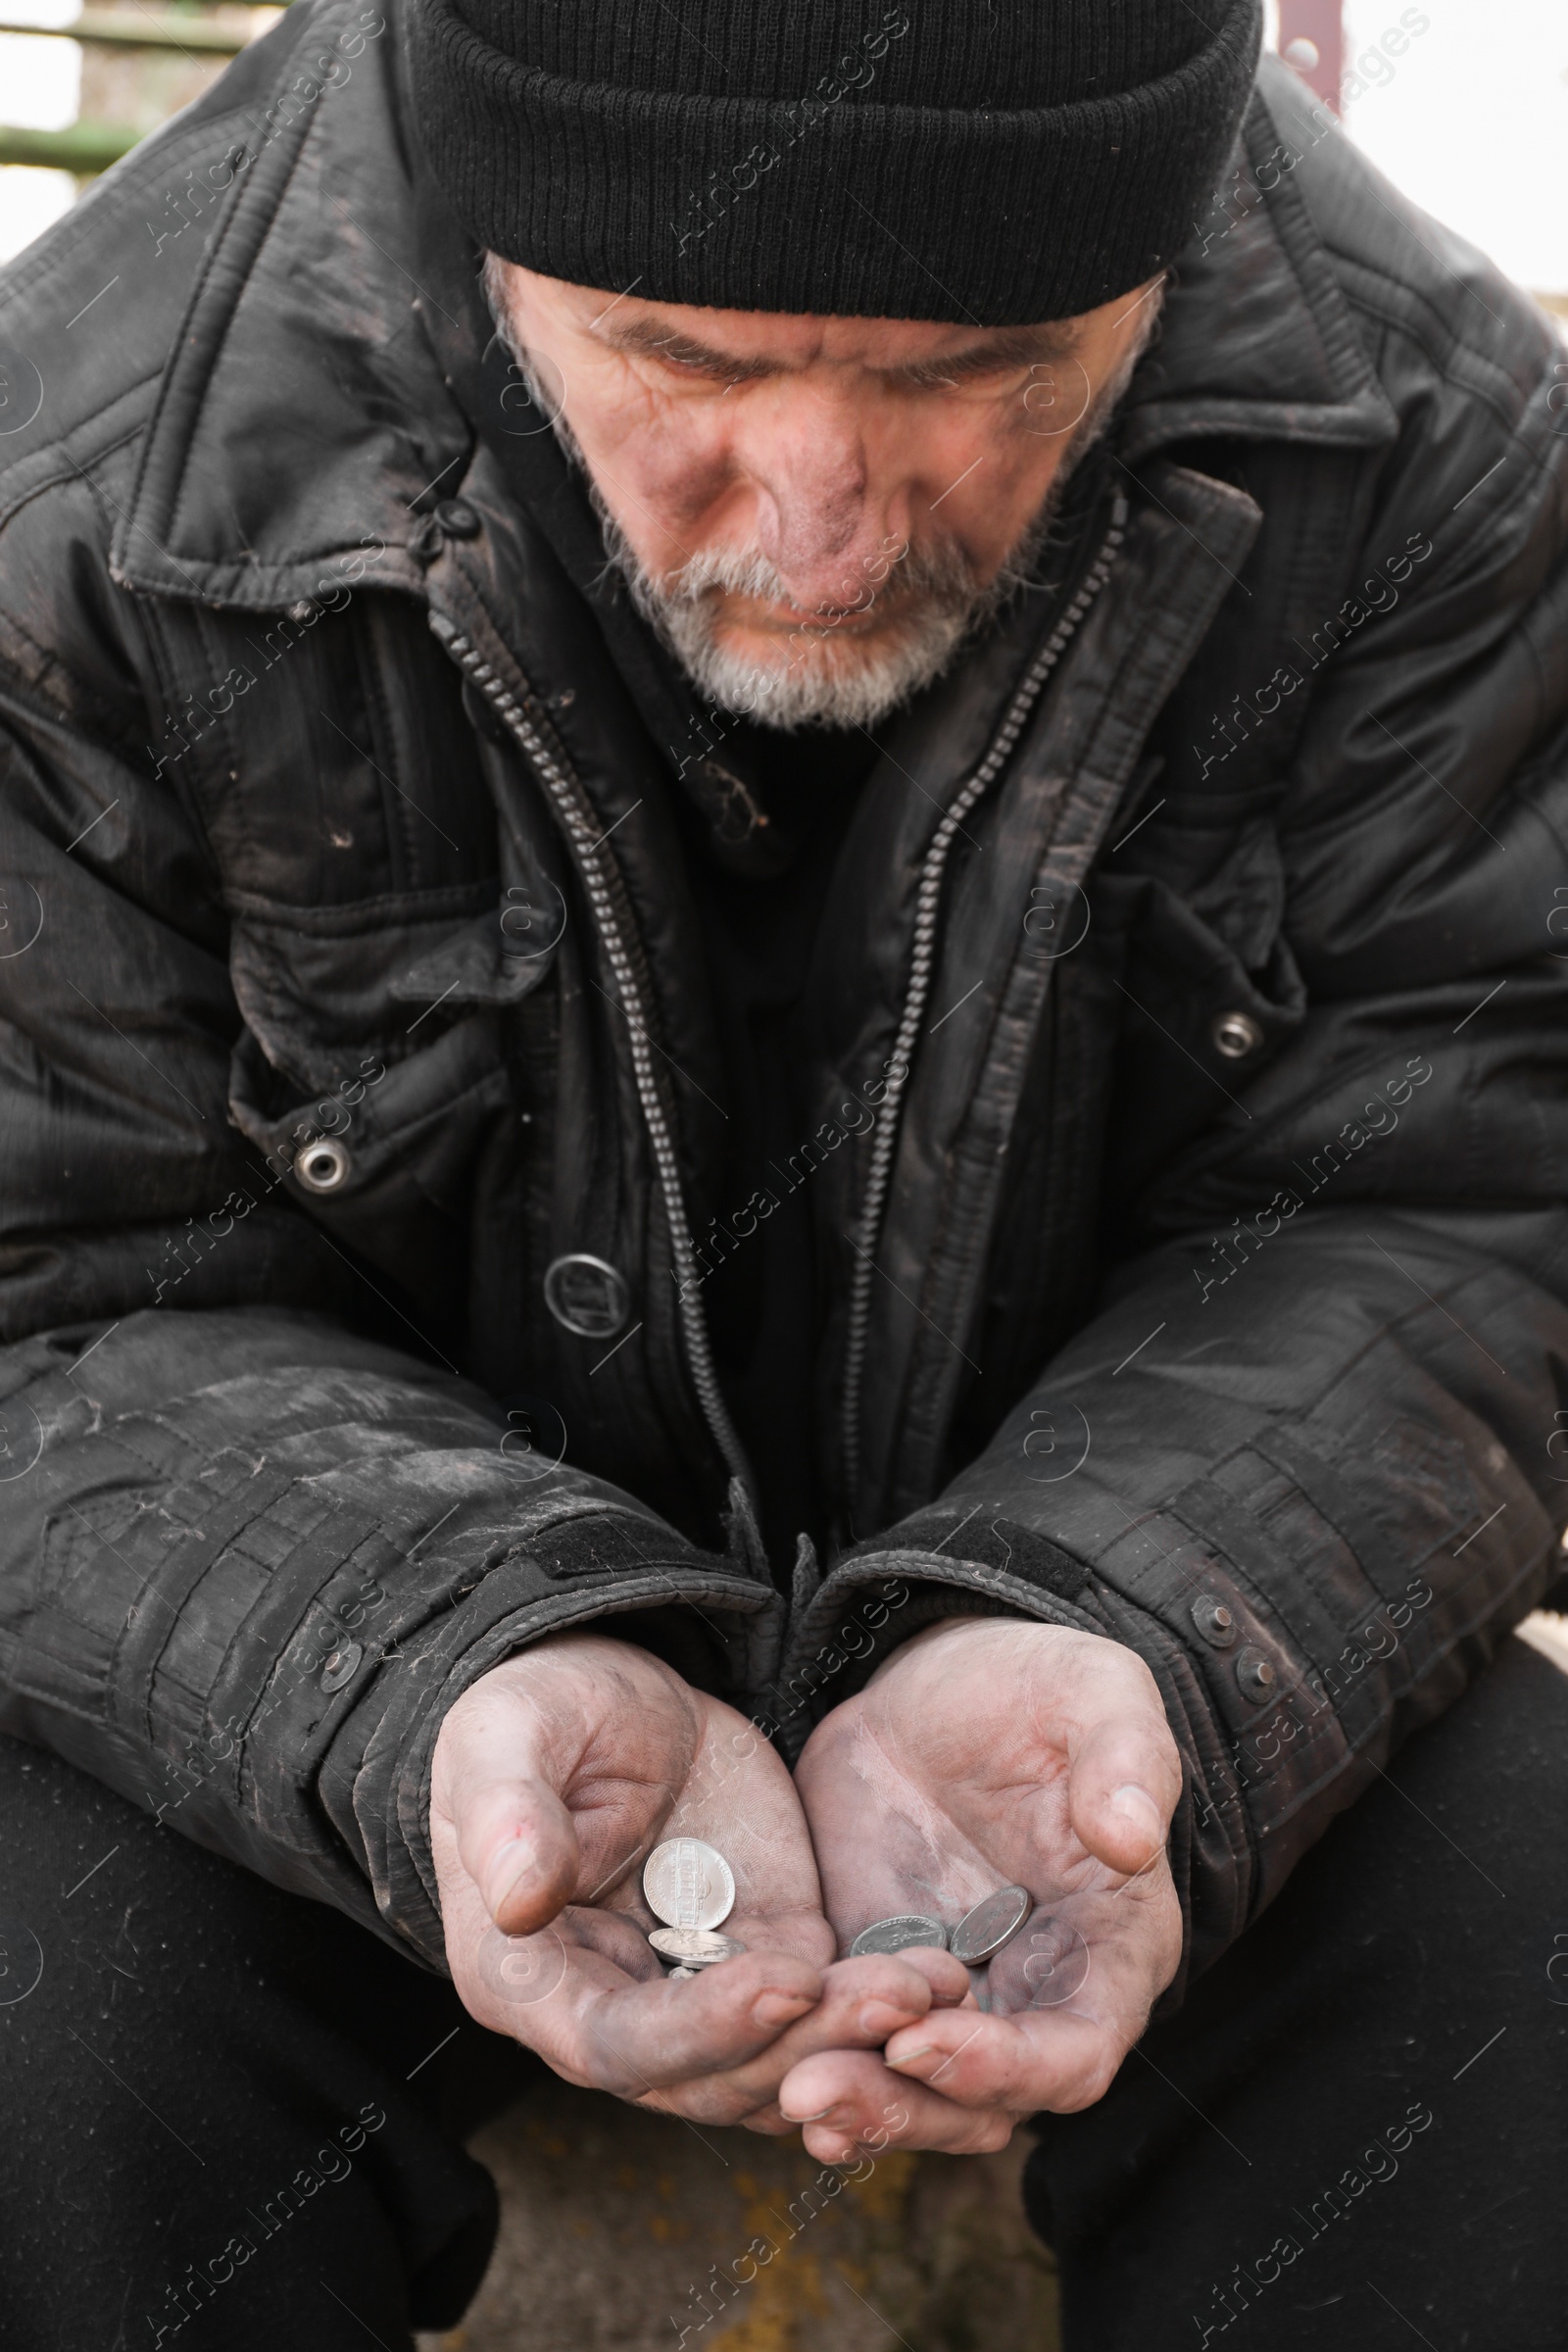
pixel 1122 1790
pixel 518 1843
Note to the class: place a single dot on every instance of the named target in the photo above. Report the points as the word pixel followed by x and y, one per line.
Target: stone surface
pixel 618 2225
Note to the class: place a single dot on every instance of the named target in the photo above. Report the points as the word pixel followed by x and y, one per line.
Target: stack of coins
pixel 691 1887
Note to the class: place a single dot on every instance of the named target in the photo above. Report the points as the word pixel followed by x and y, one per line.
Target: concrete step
pixel 626 2232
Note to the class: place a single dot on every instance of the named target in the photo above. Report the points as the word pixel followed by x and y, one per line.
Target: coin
pixel 898 1934
pixel 695 1947
pixel 688 1883
pixel 679 1975
pixel 709 1958
pixel 989 1925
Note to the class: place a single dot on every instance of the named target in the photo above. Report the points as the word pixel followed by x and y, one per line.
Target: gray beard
pixel 819 677
pixel 822 680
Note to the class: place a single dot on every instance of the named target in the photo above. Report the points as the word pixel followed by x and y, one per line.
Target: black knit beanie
pixel 994 162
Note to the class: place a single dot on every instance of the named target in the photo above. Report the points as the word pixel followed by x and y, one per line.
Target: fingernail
pixel 879 2018
pixel 927 2049
pixel 817 2118
pixel 509 1867
pixel 1136 1805
pixel 779 2008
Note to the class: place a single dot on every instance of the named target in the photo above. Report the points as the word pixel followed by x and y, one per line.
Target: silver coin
pixel 695 1947
pixel 689 1883
pixel 898 1934
pixel 678 1976
pixel 699 1960
pixel 991 1923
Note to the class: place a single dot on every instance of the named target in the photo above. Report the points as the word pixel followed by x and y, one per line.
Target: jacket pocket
pixel 320 987
pixel 372 1070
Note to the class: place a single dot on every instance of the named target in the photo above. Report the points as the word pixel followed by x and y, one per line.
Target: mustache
pixel 937 576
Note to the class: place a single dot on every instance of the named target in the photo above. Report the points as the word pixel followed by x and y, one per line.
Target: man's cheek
pixel 680 471
pixel 1019 462
pixel 656 477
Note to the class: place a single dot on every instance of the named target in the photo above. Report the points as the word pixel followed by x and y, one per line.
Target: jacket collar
pixel 1258 342
pixel 302 416
pixel 305 415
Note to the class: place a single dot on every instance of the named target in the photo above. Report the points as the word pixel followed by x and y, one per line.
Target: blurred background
pixel 1464 103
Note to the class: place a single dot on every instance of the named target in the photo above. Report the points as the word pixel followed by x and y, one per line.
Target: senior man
pixel 783 842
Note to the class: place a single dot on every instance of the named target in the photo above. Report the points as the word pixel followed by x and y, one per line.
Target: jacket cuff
pixel 940 1563
pixel 602 1571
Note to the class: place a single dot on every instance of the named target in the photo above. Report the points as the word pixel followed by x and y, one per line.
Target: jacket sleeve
pixel 1310 1457
pixel 246 1558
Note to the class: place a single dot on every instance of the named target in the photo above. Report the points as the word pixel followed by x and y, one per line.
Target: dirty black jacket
pixel 1188 1027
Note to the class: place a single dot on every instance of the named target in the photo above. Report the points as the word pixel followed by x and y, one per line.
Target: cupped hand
pixel 555 1777
pixel 988 1753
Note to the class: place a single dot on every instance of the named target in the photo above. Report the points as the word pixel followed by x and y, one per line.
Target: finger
pixel 635 2038
pixel 803 1932
pixel 861 2002
pixel 579 1723
pixel 598 2027
pixel 933 2123
pixel 1124 1782
pixel 770 2122
pixel 518 1843
pixel 1052 2059
pixel 850 2101
pixel 617 1937
pixel 948 1978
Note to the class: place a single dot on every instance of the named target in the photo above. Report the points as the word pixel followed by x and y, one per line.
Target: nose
pixel 821 520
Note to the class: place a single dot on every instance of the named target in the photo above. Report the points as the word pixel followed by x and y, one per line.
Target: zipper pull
pixel 743 1535
pixel 807 1581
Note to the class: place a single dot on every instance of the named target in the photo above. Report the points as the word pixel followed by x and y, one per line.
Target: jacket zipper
pixel 927 908
pixel 580 822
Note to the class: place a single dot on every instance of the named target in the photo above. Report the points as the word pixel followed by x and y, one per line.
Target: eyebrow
pixel 658 342
pixel 1008 347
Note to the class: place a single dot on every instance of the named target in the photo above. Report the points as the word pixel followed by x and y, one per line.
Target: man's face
pixel 813 512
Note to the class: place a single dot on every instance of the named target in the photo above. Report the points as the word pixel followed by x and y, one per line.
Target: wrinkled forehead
pixel 747 344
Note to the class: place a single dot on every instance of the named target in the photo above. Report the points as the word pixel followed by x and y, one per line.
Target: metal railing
pixel 88 147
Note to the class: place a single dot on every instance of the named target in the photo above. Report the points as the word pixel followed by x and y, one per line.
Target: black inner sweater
pixel 762 1298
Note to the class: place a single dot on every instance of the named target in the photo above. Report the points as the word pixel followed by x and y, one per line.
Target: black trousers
pixel 231 2119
